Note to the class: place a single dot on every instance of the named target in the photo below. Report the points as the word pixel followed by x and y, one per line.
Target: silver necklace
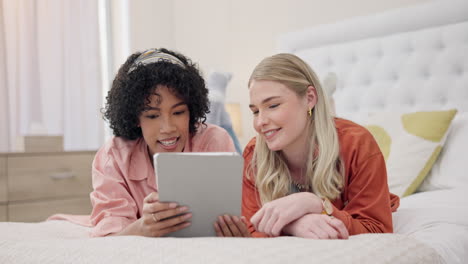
pixel 301 187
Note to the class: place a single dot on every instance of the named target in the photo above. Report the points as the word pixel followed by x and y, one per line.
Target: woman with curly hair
pixel 158 103
pixel 307 174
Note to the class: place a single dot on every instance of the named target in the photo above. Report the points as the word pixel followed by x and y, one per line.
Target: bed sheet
pixel 63 242
pixel 439 219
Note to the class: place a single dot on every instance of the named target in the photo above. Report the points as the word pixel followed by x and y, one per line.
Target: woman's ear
pixel 311 95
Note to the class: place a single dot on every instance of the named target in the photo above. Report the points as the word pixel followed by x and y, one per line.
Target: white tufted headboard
pixel 407 59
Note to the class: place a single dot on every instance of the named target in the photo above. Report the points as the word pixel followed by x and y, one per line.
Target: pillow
pixel 410 143
pixel 449 172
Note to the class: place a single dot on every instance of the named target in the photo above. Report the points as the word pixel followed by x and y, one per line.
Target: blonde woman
pixel 307 174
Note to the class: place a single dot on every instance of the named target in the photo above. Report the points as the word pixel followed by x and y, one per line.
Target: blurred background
pixel 58 57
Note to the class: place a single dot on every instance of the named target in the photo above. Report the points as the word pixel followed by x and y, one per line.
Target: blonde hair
pixel 325 171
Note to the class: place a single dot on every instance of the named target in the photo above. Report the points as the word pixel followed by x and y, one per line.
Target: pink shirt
pixel 123 176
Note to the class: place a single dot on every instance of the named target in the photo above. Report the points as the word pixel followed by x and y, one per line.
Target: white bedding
pixel 63 242
pixel 406 60
pixel 439 219
pixel 429 227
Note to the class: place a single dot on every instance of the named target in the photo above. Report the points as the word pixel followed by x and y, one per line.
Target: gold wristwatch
pixel 327 207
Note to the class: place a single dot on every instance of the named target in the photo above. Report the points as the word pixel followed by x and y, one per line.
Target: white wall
pixel 234 35
pixel 151 24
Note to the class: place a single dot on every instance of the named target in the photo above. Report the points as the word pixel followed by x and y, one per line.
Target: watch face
pixel 327 206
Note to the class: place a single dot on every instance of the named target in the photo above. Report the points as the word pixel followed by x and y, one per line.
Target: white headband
pixel 153 56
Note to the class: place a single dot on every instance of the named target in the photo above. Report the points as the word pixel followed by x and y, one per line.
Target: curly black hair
pixel 130 93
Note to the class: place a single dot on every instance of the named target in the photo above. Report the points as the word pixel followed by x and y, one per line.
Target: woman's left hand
pixel 274 215
pixel 231 226
pixel 317 226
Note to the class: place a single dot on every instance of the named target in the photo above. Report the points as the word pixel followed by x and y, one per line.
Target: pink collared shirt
pixel 123 176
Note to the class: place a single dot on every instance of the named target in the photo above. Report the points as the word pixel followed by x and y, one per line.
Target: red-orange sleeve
pixel 368 203
pixel 250 196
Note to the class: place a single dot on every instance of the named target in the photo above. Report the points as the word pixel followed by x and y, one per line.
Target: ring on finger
pixel 155 218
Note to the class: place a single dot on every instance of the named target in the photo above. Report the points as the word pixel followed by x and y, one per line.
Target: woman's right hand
pixel 159 218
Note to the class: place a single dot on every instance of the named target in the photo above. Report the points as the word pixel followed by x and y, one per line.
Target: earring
pixel 310 112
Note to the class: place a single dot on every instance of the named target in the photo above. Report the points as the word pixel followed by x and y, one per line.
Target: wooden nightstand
pixel 34 186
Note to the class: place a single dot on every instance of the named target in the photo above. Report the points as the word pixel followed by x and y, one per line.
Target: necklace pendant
pixel 301 187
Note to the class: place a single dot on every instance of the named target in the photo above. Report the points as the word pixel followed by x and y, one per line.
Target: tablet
pixel 209 183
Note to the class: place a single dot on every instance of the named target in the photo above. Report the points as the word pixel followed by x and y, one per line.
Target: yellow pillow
pixel 410 144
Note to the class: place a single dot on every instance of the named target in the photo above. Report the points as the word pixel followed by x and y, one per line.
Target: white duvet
pixel 431 227
pixel 439 219
pixel 63 242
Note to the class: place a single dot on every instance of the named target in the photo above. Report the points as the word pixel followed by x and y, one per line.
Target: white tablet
pixel 209 183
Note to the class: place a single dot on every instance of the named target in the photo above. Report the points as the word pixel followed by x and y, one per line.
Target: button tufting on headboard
pixel 417 63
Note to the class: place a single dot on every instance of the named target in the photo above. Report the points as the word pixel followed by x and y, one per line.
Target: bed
pixel 369 57
pixel 406 60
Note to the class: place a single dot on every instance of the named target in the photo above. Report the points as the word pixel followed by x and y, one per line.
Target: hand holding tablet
pixel 210 184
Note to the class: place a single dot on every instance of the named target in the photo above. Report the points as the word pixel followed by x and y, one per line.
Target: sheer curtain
pixel 50 72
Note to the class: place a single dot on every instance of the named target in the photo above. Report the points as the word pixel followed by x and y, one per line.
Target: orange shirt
pixel 365 204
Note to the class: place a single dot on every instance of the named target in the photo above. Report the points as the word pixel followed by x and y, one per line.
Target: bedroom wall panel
pixel 141 17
